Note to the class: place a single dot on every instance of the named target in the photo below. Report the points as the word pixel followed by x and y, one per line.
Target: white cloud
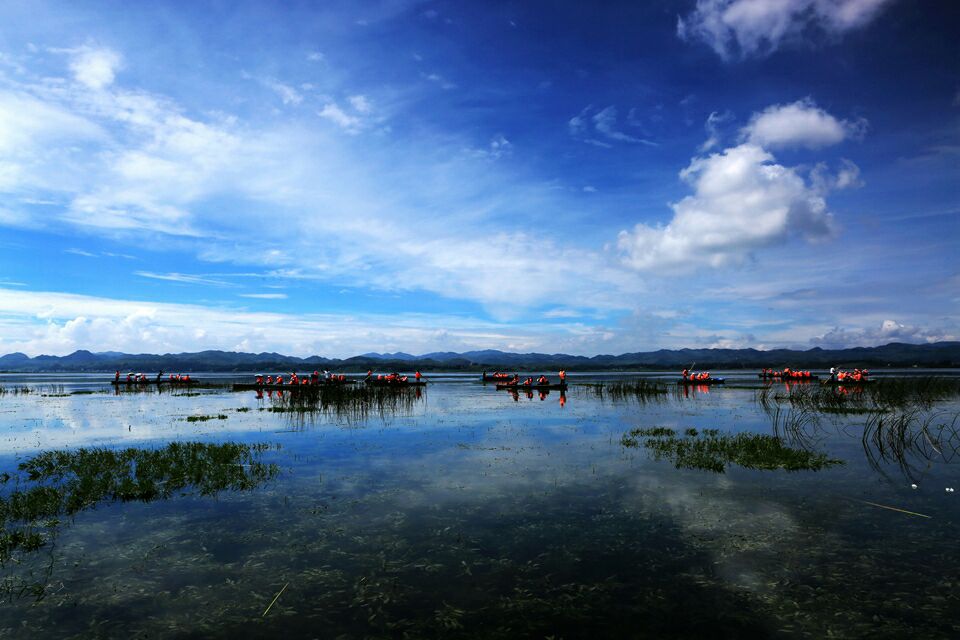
pixel 742 201
pixel 602 124
pixel 342 119
pixel 744 28
pixel 713 126
pixel 81 252
pixel 361 104
pixel 95 67
pixel 800 123
pixel 182 277
pixel 288 95
pixel 36 322
pixel 265 296
pixel 605 122
pixel 888 331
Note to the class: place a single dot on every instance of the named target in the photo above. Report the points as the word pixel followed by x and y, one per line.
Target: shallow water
pixel 471 513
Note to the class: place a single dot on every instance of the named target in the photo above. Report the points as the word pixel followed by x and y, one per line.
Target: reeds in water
pixel 912 440
pixel 352 403
pixel 883 394
pixel 640 390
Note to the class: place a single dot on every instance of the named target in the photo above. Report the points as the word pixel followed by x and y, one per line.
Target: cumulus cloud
pixel 801 123
pixel 742 200
pixel 744 28
pixel 888 331
pixel 350 122
pixel 95 67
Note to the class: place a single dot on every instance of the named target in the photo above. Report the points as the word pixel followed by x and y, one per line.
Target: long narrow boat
pixel 396 383
pixel 134 383
pixel 496 378
pixel 686 381
pixel 848 383
pixel 561 386
pixel 788 378
pixel 248 386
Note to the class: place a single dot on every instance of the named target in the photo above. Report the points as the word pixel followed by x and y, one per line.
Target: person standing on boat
pixel 417 376
pixel 116 377
pixel 686 374
pixel 563 376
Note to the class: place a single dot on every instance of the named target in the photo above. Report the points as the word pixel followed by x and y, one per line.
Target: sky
pixel 336 178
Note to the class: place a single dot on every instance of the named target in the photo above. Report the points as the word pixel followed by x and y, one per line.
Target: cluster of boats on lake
pixel 502 380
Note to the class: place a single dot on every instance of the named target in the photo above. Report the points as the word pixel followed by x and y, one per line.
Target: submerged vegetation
pixel 219 416
pixel 57 484
pixel 709 450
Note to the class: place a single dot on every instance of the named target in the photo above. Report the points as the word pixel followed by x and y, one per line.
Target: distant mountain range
pixel 939 354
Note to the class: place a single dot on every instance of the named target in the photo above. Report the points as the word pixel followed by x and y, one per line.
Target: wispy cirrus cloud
pixel 184 278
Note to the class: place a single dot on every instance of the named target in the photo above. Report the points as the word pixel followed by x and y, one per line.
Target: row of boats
pixel 501 379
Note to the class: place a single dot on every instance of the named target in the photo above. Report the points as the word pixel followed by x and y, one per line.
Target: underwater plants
pixel 710 450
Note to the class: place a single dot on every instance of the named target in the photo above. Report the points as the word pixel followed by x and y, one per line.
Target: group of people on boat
pixel 315 378
pixel 786 374
pixel 499 376
pixel 141 378
pixel 695 375
pixel 857 375
pixel 391 378
pixel 530 381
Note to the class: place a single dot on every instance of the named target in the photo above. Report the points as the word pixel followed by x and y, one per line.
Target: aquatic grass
pixel 709 450
pixel 911 440
pixel 641 390
pixel 219 416
pixel 53 484
pixel 353 403
pixel 881 395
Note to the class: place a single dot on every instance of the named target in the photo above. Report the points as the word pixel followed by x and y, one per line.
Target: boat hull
pixel 708 381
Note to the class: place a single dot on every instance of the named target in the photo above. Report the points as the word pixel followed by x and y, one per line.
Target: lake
pixel 464 511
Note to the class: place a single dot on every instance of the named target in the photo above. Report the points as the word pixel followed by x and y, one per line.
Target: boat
pixel 513 386
pixel 848 383
pixel 395 383
pixel 787 378
pixel 253 386
pixel 495 378
pixel 686 381
pixel 131 383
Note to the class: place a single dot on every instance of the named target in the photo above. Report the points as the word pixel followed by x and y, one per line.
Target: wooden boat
pixel 848 382
pixel 685 381
pixel 495 378
pixel 512 386
pixel 253 386
pixel 395 383
pixel 788 378
pixel 130 383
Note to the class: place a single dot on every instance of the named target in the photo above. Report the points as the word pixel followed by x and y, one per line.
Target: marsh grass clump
pixel 219 416
pixel 54 484
pixel 709 450
pixel 912 440
pixel 351 403
pixel 641 390
pixel 882 395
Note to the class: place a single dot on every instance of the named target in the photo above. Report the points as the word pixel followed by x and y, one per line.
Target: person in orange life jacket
pixel 686 374
pixel 542 380
pixel 315 377
pixel 279 379
pixel 259 378
pixel 293 378
pixel 563 376
pixel 417 376
pixel 116 377
pixel 528 381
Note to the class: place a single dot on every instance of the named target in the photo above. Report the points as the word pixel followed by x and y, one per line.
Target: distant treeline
pixel 939 354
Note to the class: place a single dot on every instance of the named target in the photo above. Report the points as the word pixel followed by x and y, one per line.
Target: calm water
pixel 470 513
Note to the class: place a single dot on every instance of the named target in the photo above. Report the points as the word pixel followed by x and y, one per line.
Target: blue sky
pixel 341 177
